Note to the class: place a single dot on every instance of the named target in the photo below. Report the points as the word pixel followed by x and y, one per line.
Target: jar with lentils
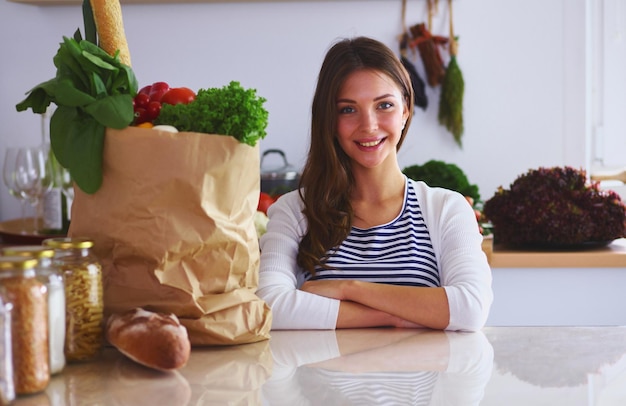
pixel 29 324
pixel 82 273
pixel 53 279
pixel 7 388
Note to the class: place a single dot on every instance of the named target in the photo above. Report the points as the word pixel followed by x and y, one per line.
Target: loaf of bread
pixel 107 15
pixel 156 340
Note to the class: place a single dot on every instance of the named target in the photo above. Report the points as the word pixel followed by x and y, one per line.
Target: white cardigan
pixel 464 271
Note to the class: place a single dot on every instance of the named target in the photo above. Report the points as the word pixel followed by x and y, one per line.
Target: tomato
pixel 157 90
pixel 159 87
pixel 178 95
pixel 141 100
pixel 153 110
pixel 156 95
pixel 265 201
pixel 148 101
pixel 145 90
pixel 141 115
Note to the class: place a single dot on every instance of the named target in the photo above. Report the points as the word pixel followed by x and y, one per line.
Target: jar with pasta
pixel 29 324
pixel 7 389
pixel 82 273
pixel 53 279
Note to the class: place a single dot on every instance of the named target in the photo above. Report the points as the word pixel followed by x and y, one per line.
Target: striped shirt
pixel 368 388
pixel 399 252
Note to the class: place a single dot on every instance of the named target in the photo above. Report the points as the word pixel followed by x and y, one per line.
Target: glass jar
pixel 7 389
pixel 53 279
pixel 29 324
pixel 82 273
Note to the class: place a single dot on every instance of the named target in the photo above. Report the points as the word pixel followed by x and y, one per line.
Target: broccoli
pixel 441 174
pixel 230 110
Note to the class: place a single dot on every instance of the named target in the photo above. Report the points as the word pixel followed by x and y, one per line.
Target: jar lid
pixel 65 243
pixel 16 262
pixel 36 251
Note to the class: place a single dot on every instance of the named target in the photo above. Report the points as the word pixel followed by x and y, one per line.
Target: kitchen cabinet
pixel 563 288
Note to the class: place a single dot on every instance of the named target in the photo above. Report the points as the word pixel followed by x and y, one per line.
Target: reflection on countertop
pixel 559 365
pixel 213 376
pixel 378 366
pixel 499 365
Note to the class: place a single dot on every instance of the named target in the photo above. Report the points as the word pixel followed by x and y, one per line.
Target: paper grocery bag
pixel 173 226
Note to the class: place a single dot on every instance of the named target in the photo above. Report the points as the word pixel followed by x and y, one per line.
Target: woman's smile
pixel 371 144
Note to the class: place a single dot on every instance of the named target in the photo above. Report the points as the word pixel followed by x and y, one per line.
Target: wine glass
pixel 32 177
pixel 67 185
pixel 67 188
pixel 9 176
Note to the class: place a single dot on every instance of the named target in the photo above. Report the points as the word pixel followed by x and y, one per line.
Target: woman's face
pixel 371 114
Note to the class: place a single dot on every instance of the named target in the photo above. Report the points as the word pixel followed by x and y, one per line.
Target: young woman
pixel 360 244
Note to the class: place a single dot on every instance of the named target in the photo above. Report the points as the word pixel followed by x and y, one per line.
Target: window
pixel 608 98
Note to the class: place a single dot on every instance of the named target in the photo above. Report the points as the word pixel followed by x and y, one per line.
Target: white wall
pixel 523 63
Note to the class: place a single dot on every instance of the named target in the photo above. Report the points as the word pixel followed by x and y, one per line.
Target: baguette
pixel 155 340
pixel 107 15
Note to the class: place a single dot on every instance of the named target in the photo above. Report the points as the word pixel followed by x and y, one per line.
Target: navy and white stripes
pixel 369 388
pixel 398 253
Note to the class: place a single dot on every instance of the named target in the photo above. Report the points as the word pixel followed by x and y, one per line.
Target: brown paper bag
pixel 173 225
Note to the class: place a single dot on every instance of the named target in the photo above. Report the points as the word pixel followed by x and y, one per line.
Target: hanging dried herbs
pixel 428 47
pixel 452 90
pixel 419 87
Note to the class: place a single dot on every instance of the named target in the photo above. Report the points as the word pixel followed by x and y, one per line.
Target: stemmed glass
pixel 9 171
pixel 32 177
pixel 67 185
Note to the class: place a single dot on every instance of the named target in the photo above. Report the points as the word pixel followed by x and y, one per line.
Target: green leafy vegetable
pixel 555 206
pixel 92 91
pixel 230 110
pixel 441 174
pixel 91 33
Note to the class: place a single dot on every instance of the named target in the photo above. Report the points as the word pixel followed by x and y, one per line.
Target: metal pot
pixel 278 180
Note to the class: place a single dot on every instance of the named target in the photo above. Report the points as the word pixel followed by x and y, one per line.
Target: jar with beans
pixel 82 273
pixel 7 388
pixel 29 324
pixel 53 279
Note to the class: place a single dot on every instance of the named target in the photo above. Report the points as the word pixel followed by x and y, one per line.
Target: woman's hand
pixel 353 314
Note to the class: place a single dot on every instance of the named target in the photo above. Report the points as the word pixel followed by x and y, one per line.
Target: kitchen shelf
pixel 610 256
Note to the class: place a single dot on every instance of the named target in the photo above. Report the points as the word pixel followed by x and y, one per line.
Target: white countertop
pixel 498 366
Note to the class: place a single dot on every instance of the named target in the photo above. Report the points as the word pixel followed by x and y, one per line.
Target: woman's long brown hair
pixel 326 182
